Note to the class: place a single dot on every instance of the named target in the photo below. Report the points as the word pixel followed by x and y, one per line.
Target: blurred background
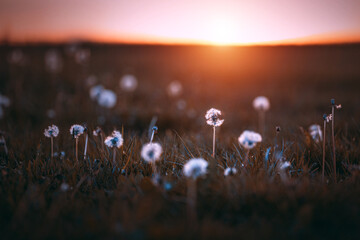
pixel 121 63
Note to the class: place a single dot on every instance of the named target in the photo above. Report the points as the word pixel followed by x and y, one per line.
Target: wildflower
pixel 4 101
pixel 128 83
pixel 249 139
pixel 285 165
pixel 53 61
pixel 212 117
pixel 315 132
pixel 151 152
pixel 51 131
pixel 333 107
pixel 107 98
pixel 51 113
pixel 64 187
pixel 230 171
pixel 174 89
pixel 195 168
pixel 115 140
pixel 95 92
pixel 91 80
pixel 82 56
pixel 97 131
pixel 76 130
pixel 261 103
pixel 16 57
pixel 181 104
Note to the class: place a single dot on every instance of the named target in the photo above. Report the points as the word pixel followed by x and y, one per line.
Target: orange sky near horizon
pixel 226 22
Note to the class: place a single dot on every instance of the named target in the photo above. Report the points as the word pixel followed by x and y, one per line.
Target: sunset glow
pixel 182 22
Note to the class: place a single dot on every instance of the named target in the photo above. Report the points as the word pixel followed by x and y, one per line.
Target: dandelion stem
pixel 114 156
pixel 323 162
pixel 191 203
pixel 246 161
pixel 333 140
pixel 52 148
pixel 76 149
pixel 213 154
pixel 86 143
pixel 153 164
pixel 262 122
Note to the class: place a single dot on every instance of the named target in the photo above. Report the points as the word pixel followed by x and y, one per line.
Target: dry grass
pixel 102 201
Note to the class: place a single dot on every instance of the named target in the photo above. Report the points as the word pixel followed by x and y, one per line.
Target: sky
pixel 224 22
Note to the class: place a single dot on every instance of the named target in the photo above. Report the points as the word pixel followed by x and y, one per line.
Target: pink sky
pixel 175 21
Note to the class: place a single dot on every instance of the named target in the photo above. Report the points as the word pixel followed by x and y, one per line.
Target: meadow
pixel 43 197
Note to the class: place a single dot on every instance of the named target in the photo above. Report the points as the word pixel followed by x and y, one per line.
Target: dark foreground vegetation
pixel 59 198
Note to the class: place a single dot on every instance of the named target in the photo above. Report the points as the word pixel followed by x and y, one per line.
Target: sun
pixel 222 32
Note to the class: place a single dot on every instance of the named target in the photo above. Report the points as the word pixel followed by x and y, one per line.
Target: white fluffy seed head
pixel 285 165
pixel 51 131
pixel 212 117
pixel 195 168
pixel 76 130
pixel 249 139
pixel 174 89
pixel 315 132
pixel 4 101
pixel 115 140
pixel 261 103
pixel 128 83
pixel 107 98
pixel 230 171
pixel 95 92
pixel 151 152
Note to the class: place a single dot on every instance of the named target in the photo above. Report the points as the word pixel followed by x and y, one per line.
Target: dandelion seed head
pixel 174 89
pixel 16 56
pixel 181 104
pixel 151 152
pixel 82 56
pixel 230 171
pixel 249 139
pixel 212 117
pixel 51 131
pixel 195 168
pixel 91 80
pixel 115 140
pixel 76 130
pixel 64 187
pixel 278 129
pixel 285 165
pixel 97 131
pixel 107 99
pixel 315 132
pixel 95 91
pixel 261 103
pixel 4 101
pixel 128 83
pixel 53 61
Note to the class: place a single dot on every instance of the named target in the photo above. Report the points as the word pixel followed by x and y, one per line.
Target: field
pixel 61 198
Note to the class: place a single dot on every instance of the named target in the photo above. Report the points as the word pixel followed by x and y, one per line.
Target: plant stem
pixel 76 149
pixel 191 203
pixel 213 154
pixel 323 163
pixel 52 148
pixel 262 122
pixel 86 143
pixel 114 156
pixel 246 161
pixel 333 141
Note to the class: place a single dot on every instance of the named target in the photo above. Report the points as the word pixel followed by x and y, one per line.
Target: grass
pixel 63 198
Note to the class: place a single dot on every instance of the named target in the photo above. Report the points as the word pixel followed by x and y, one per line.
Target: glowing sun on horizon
pixel 222 32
